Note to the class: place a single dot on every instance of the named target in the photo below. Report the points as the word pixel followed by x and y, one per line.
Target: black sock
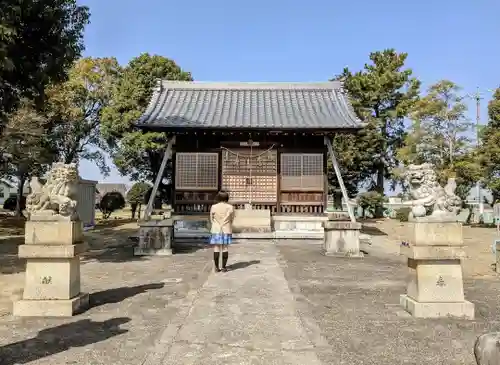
pixel 225 256
pixel 216 259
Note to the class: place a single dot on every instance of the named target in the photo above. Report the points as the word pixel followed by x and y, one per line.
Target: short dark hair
pixel 222 196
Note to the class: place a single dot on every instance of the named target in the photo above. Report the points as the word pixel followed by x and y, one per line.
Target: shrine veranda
pixel 266 144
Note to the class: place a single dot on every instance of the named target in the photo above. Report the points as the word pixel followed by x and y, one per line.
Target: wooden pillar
pixel 166 155
pixel 173 190
pixel 278 181
pixel 326 186
pixel 221 161
pixel 336 167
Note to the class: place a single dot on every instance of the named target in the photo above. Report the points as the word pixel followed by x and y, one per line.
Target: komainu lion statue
pixel 487 349
pixel 430 198
pixel 58 196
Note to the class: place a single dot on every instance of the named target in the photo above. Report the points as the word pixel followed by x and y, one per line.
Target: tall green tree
pixel 25 146
pixel 440 135
pixel 382 95
pixel 75 110
pixel 442 132
pixel 39 41
pixel 489 151
pixel 137 154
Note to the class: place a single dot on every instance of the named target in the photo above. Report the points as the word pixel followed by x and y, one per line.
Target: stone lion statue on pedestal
pixel 430 198
pixel 57 197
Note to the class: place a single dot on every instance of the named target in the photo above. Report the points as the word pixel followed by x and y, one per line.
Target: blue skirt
pixel 221 239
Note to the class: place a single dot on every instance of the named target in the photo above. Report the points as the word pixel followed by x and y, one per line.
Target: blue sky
pixel 279 40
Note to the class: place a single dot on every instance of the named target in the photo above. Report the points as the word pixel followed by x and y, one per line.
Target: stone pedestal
pixel 155 237
pixel 342 239
pixel 52 281
pixel 435 286
pixel 497 256
pixel 250 220
pixel 298 227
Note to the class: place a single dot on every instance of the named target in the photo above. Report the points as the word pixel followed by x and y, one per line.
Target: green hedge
pixel 402 214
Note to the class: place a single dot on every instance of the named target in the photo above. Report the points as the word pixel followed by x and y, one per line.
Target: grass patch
pixel 11 226
pixel 111 223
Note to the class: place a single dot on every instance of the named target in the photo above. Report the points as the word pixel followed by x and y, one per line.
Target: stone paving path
pixel 244 316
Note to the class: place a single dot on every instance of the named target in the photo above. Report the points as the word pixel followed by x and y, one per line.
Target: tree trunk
pixel 20 188
pixel 133 208
pixel 469 216
pixel 379 209
pixel 139 211
pixel 337 200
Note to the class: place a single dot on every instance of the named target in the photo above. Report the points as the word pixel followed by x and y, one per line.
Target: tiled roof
pixel 104 188
pixel 313 106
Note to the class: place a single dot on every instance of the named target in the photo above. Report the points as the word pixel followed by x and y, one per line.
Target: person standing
pixel 221 231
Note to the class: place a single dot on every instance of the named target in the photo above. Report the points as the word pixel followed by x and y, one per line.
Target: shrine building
pixel 266 144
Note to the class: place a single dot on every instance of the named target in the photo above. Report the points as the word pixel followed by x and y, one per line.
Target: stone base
pixel 463 309
pixel 139 251
pixel 341 239
pixel 350 255
pixel 51 308
pixel 300 235
pixel 252 221
pixel 53 232
pixel 155 238
pixel 299 227
pixel 432 233
pixel 52 271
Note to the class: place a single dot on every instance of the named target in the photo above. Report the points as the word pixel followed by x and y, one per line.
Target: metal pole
pixel 478 120
pixel 339 178
pixel 477 97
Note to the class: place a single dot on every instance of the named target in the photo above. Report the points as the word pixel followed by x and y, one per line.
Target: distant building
pixel 104 188
pixel 8 189
pixel 472 198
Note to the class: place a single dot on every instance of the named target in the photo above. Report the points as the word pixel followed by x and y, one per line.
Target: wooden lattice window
pixel 242 162
pixel 196 171
pixel 302 172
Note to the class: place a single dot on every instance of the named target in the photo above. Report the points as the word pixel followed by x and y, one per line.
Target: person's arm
pixel 231 215
pixel 211 218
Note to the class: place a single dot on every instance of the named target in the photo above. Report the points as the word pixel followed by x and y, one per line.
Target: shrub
pixel 163 195
pixel 370 201
pixel 402 214
pixel 110 202
pixel 136 196
pixel 11 202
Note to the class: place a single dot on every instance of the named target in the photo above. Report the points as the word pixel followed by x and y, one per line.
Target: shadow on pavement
pixel 113 254
pixel 10 263
pixel 372 231
pixel 118 295
pixel 189 245
pixel 242 264
pixel 61 338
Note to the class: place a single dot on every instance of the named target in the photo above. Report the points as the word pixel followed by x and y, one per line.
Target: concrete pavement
pixel 244 316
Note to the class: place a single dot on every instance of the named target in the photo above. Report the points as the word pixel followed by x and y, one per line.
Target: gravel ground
pixel 355 303
pixel 387 235
pixel 351 305
pixel 132 301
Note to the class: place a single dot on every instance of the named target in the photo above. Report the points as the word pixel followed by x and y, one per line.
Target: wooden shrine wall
pixel 196 181
pixel 277 175
pixel 250 176
pixel 302 187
